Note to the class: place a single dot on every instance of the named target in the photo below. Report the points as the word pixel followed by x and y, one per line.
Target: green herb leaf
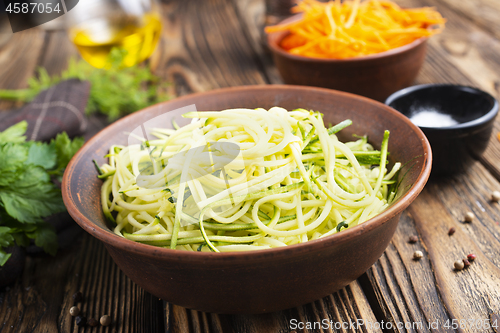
pixel 115 91
pixel 11 157
pixel 41 154
pixel 15 133
pixel 6 238
pixel 31 195
pixel 27 194
pixel 46 238
pixel 4 256
pixel 65 148
pixel 21 239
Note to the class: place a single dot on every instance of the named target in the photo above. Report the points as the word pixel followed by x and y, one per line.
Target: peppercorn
pixel 495 196
pixel 78 296
pixel 451 231
pixel 469 216
pixel 471 257
pixel 459 265
pixel 81 321
pixel 105 320
pixel 93 322
pixel 417 255
pixel 413 239
pixel 466 263
pixel 74 311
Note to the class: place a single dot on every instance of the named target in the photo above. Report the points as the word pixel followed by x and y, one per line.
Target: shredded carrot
pixel 352 28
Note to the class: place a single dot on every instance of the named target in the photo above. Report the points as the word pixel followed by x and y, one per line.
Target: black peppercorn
pixel 81 321
pixel 93 322
pixel 466 263
pixel 78 296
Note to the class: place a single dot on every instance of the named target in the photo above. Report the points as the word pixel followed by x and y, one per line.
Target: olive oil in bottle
pixel 137 35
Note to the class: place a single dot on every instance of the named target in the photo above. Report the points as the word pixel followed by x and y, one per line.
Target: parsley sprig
pixel 27 192
pixel 115 91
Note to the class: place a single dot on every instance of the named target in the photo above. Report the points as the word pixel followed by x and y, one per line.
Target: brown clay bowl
pixel 375 76
pixel 257 281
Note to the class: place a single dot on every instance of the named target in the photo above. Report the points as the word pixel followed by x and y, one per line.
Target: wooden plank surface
pixel 218 43
pixel 58 49
pixel 346 306
pixel 409 292
pixel 19 54
pixel 483 13
pixel 200 52
pixel 430 291
pixel 41 300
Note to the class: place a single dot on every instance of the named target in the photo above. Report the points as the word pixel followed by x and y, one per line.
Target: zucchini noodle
pixel 241 179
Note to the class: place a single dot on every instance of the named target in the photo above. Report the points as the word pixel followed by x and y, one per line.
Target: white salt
pixel 432 119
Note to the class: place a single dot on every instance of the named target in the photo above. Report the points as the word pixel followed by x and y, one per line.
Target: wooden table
pixel 217 43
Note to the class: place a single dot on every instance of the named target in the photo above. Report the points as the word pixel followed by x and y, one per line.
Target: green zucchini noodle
pixel 241 179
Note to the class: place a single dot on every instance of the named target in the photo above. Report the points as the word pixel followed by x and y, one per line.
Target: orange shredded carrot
pixel 351 28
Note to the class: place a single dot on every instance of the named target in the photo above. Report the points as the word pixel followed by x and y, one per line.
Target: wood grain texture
pixel 106 290
pixel 464 293
pixel 218 43
pixel 430 290
pixel 465 54
pixel 41 300
pixel 457 55
pixel 199 52
pixel 251 14
pixel 406 288
pixel 19 56
pixel 58 49
pixel 326 315
pixel 483 13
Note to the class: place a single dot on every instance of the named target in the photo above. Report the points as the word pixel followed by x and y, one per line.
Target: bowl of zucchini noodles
pixel 248 199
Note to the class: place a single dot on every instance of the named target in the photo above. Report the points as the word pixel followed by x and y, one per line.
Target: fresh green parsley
pixel 27 192
pixel 115 91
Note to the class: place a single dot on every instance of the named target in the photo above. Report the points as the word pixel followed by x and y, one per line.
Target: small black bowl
pixel 457 121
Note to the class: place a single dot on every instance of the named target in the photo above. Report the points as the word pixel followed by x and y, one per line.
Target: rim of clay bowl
pixel 491 114
pixel 108 237
pixel 274 38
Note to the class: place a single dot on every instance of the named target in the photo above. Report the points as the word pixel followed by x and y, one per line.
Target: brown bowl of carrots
pixel 371 48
